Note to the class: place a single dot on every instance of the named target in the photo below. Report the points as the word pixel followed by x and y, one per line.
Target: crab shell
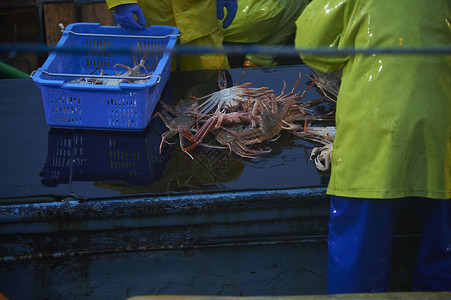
pixel 322 157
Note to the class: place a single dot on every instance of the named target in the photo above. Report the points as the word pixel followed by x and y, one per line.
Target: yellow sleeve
pixel 112 3
pixel 323 24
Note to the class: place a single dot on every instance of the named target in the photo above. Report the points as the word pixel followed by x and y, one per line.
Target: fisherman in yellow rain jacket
pixel 393 139
pixel 197 20
pixel 267 23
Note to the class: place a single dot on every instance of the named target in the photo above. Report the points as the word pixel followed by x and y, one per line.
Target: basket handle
pixel 98 76
pixel 122 35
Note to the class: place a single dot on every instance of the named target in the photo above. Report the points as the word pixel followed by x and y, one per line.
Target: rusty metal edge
pixel 375 296
pixel 71 209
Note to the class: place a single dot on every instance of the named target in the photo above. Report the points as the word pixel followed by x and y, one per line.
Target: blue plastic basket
pixel 127 106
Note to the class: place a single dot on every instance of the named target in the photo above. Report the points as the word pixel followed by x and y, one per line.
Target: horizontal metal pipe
pixel 231 49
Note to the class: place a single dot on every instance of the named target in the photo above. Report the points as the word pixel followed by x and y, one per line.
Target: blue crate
pixel 127 106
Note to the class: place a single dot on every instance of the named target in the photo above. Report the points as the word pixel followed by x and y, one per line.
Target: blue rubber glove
pixel 231 6
pixel 125 16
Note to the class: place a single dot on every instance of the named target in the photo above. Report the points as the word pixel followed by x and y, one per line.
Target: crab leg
pixel 184 149
pixel 206 128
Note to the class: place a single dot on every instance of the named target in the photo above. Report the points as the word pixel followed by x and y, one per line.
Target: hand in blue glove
pixel 125 16
pixel 231 6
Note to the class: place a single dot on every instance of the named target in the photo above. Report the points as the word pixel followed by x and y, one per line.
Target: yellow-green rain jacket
pixel 393 111
pixel 266 22
pixel 197 22
pixel 259 20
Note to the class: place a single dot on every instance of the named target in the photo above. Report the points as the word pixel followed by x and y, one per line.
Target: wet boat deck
pixel 88 164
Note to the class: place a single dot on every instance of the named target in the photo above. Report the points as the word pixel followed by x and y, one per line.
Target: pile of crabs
pixel 241 117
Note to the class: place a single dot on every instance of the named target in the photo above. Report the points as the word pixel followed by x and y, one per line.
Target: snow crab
pixel 230 138
pixel 328 83
pixel 179 119
pixel 241 116
pixel 321 155
pixel 230 98
pixel 104 79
